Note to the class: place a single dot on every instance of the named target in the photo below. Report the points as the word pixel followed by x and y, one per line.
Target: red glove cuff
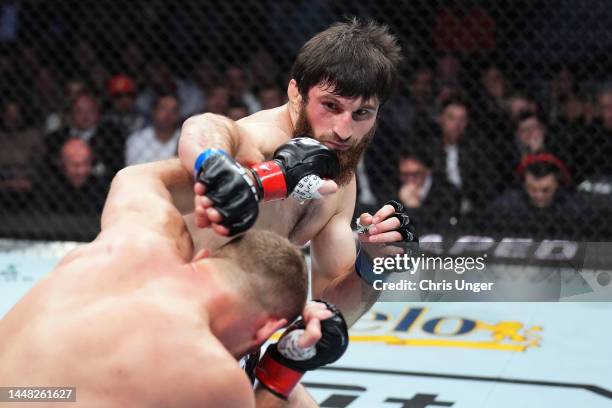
pixel 272 180
pixel 276 377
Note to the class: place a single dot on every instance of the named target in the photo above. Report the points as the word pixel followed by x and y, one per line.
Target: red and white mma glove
pixel 284 363
pixel 296 168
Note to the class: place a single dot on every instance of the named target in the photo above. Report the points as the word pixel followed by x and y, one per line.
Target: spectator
pixel 530 134
pixel 517 103
pixel 271 97
pixel 21 147
pixel 84 56
pixel 489 112
pixel 452 124
pixel 123 114
pixel 205 76
pixel 160 140
pixel 432 201
pixel 218 100
pixel 402 118
pixel 106 141
pixel 132 59
pixel 409 114
pixel 561 88
pixel 465 158
pixel 543 204
pixel 264 70
pixel 161 82
pixel 75 189
pixel 591 152
pixel 237 110
pixel 98 79
pixel 240 88
pixel 48 100
pixel 448 70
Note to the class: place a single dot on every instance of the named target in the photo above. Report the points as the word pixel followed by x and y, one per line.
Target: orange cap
pixel 121 84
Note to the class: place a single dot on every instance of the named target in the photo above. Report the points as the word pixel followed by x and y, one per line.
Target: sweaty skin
pixel 325 222
pixel 128 319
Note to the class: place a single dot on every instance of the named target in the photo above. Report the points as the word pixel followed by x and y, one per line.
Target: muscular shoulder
pixel 128 245
pixel 268 128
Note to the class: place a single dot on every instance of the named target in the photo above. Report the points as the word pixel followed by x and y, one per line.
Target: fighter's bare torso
pixel 105 321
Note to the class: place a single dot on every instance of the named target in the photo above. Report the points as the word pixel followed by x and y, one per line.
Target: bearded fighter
pixel 291 169
pixel 256 169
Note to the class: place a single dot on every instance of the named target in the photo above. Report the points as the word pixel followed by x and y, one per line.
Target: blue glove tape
pixel 205 155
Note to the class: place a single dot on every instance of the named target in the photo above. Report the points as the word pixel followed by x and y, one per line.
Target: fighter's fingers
pixel 318 314
pixel 311 335
pixel 214 215
pixel 392 236
pixel 383 213
pixel 316 310
pixel 365 219
pixel 199 189
pixel 203 202
pixel 201 220
pixel 328 187
pixel 387 225
pixel 220 229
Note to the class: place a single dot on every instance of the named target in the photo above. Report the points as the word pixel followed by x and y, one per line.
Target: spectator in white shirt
pixel 158 141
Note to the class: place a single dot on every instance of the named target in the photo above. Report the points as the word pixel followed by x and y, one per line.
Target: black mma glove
pixel 230 188
pixel 364 264
pixel 235 195
pixel 296 159
pixel 285 363
pixel 406 227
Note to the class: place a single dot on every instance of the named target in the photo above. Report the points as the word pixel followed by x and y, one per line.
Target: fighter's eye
pixel 361 114
pixel 330 106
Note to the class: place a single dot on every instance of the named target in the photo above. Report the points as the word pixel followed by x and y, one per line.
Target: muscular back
pixel 115 321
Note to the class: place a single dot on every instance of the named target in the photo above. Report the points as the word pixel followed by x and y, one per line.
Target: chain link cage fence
pixel 501 122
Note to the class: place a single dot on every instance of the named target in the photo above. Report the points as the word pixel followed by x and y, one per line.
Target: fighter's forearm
pixel 146 188
pixel 207 131
pixel 350 294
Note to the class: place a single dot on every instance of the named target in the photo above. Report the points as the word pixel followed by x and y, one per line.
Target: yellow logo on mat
pixel 413 328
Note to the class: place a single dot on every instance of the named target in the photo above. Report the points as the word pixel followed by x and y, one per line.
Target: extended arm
pixel 141 197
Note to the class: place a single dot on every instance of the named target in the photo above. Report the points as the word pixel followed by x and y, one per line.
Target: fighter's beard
pixel 348 158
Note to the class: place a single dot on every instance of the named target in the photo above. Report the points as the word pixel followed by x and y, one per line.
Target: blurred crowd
pixel 479 151
pixel 468 141
pixel 62 138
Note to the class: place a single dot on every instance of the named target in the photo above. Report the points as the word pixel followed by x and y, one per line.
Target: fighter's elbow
pixel 126 176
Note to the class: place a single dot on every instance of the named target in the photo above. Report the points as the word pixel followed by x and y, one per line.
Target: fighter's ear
pixel 271 325
pixel 293 93
pixel 201 254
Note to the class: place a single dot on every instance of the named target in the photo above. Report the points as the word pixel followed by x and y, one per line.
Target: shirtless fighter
pixel 134 319
pixel 244 169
